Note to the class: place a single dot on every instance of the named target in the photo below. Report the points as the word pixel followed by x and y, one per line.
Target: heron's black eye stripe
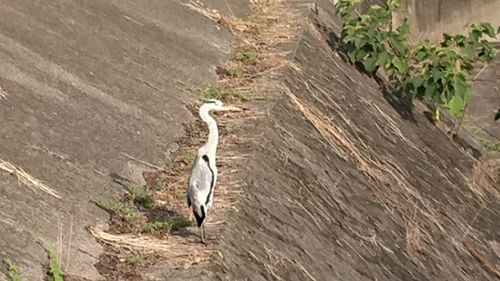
pixel 204 157
pixel 210 101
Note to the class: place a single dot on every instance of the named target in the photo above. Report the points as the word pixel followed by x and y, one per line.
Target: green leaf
pixel 353 55
pixel 404 28
pixel 358 41
pixel 462 88
pixel 469 52
pixel 370 64
pixel 460 40
pixel 452 55
pixel 488 29
pixel 475 35
pixel 382 59
pixel 420 93
pixel 400 47
pixel 55 267
pixel 447 39
pixel 398 64
pixel 421 55
pixel 417 81
pixel 456 105
pixel 430 90
pixel 487 52
pixel 361 54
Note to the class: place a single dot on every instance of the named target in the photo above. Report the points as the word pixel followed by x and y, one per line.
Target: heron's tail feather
pixel 200 218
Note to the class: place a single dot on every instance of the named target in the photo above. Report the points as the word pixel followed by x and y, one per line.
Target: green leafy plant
pixel 55 270
pixel 224 94
pixel 370 38
pixel 158 226
pixel 141 196
pixel 13 272
pixel 189 158
pixel 129 215
pixel 245 53
pixel 439 73
pixel 179 222
pixel 443 73
pixel 133 260
pixel 174 223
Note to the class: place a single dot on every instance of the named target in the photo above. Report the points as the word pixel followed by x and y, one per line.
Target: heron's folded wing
pixel 200 180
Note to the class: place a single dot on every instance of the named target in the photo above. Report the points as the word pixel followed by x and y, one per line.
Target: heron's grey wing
pixel 200 182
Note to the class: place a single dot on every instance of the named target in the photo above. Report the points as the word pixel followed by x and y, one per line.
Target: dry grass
pixel 257 54
pixel 483 259
pixel 26 179
pixel 418 238
pixel 185 252
pixel 391 123
pixel 390 183
pixel 484 180
pixel 279 260
pixel 199 7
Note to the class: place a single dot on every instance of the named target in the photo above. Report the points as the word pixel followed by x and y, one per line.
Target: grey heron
pixel 203 176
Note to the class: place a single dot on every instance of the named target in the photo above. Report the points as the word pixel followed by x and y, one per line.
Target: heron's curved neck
pixel 213 132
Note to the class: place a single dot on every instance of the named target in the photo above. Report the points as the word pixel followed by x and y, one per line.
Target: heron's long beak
pixel 232 108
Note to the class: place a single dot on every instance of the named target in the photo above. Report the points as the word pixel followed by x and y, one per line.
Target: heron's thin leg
pixel 202 234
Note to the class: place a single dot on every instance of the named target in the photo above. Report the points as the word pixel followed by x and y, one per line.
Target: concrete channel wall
pixel 86 87
pixel 430 18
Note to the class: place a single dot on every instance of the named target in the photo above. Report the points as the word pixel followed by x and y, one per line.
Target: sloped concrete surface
pixel 89 85
pixel 486 100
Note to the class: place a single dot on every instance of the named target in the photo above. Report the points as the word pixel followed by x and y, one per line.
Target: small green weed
pixel 245 54
pixel 179 222
pixel 236 71
pixel 55 270
pixel 133 260
pixel 175 223
pixel 223 94
pixel 13 272
pixel 128 214
pixel 492 146
pixel 189 159
pixel 140 196
pixel 158 226
pixel 158 184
